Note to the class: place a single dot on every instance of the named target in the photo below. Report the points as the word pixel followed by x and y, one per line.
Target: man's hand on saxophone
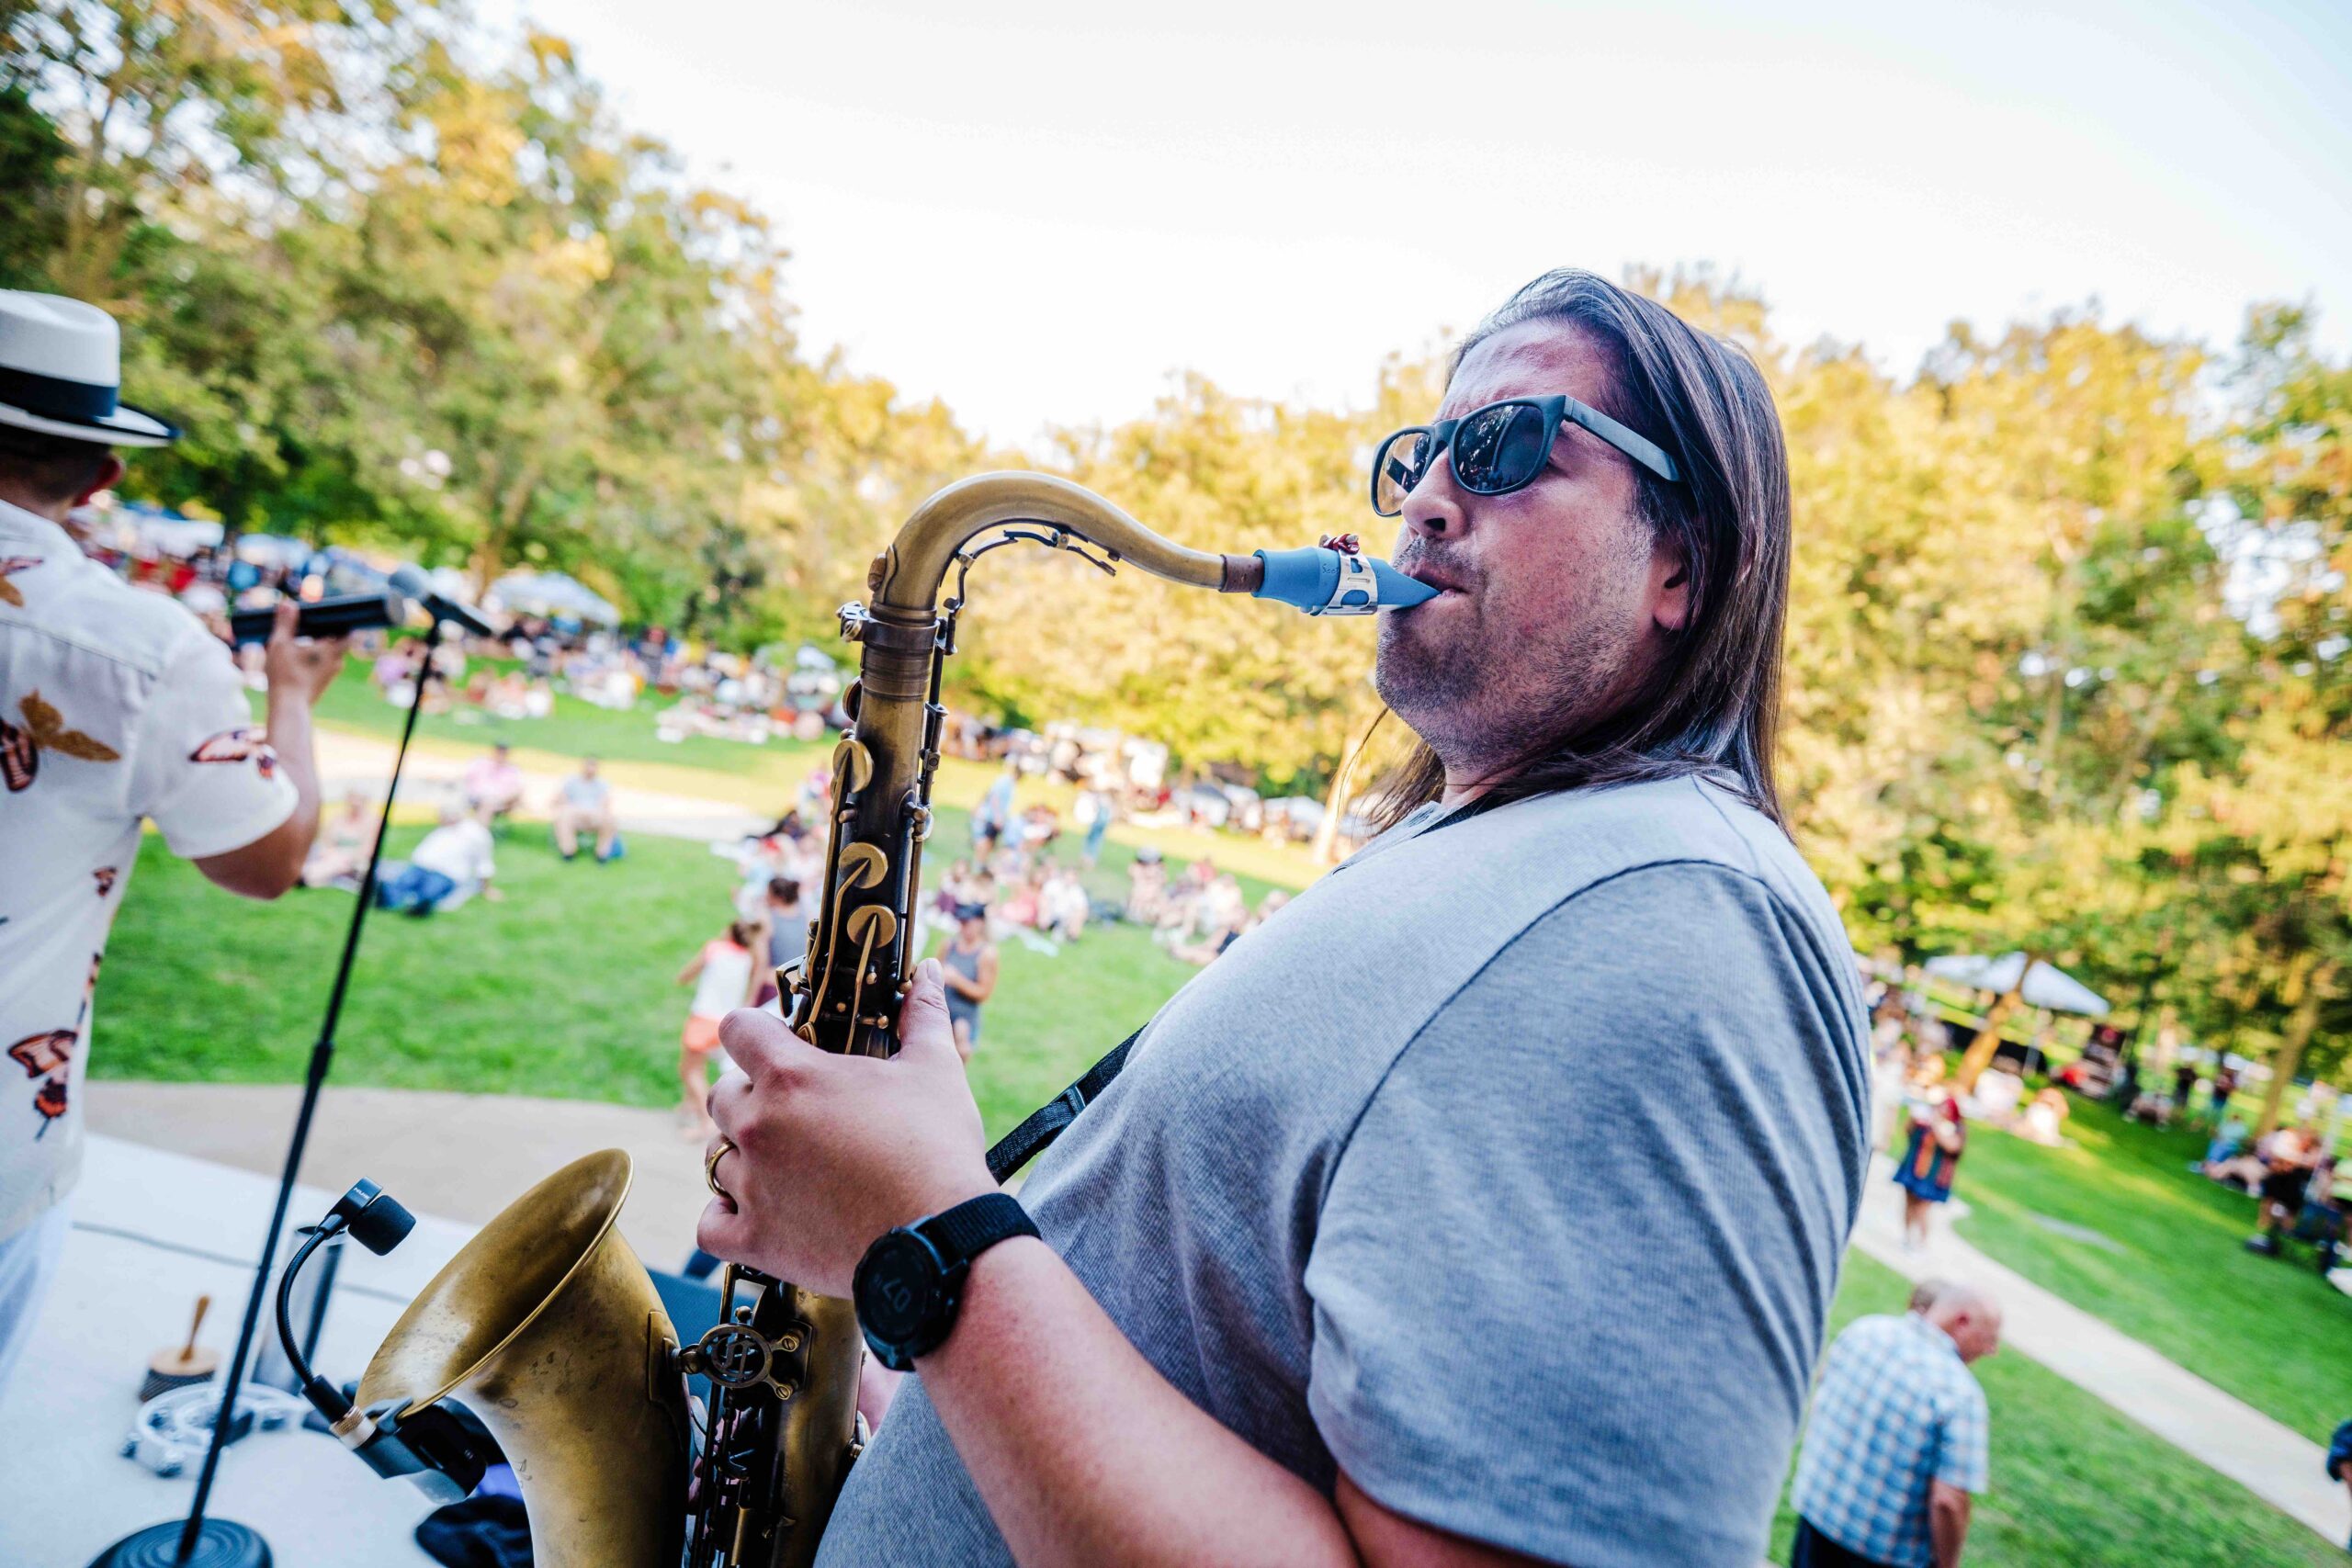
pixel 824 1153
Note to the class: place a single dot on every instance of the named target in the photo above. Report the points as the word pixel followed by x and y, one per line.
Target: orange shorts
pixel 701 1034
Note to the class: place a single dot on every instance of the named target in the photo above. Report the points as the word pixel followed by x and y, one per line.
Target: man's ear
pixel 1669 584
pixel 109 475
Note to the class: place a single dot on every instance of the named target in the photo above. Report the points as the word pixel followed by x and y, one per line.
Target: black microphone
pixel 431 1446
pixel 408 580
pixel 337 616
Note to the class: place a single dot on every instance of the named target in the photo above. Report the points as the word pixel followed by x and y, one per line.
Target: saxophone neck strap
pixel 1037 1131
pixel 1045 1123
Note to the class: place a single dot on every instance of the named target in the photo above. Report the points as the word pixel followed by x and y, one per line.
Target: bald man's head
pixel 1971 1318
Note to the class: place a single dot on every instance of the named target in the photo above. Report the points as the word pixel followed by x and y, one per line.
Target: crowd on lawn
pixel 1018 883
pixel 710 692
pixel 1015 885
pixel 1922 1119
pixel 456 860
pixel 716 692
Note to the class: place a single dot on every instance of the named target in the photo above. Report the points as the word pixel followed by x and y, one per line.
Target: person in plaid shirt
pixel 1896 1446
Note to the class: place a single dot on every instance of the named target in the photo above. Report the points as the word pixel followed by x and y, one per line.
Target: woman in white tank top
pixel 721 976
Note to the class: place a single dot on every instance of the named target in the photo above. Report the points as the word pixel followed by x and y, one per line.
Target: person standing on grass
pixel 970 963
pixel 1930 1158
pixel 1093 811
pixel 585 806
pixel 782 930
pixel 117 708
pixel 2226 1084
pixel 1890 1069
pixel 993 816
pixel 1897 1447
pixel 721 976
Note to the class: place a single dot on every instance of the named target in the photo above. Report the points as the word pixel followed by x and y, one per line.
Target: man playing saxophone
pixel 1483 1206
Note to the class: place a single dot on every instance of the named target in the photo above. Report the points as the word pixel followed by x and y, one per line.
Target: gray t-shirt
pixel 585 794
pixel 1507 1169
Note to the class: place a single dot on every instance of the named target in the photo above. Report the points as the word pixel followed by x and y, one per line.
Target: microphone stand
pixel 199 1541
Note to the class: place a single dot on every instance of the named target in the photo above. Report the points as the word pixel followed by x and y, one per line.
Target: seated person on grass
pixel 493 784
pixel 1147 887
pixel 338 856
pixel 2292 1163
pixel 2227 1140
pixel 585 806
pixel 450 865
pixel 2322 1221
pixel 2044 1121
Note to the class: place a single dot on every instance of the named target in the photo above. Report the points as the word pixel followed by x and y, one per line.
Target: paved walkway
pixel 2272 1460
pixel 346 760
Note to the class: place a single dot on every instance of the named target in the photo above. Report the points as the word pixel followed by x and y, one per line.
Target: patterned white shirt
pixel 1896 1410
pixel 115 705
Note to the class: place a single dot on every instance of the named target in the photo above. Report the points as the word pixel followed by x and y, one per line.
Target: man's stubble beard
pixel 1484 707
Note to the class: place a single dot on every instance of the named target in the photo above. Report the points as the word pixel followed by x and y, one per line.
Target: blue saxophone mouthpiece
pixel 1327 582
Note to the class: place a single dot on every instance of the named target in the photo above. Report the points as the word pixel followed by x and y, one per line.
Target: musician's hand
pixel 298 669
pixel 831 1151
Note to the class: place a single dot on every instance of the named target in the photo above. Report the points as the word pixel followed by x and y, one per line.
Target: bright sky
pixel 1038 211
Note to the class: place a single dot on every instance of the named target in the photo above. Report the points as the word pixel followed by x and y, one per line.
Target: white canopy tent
pixel 2045 985
pixel 551 594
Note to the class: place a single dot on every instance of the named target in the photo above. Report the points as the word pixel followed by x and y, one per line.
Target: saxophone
pixel 546 1326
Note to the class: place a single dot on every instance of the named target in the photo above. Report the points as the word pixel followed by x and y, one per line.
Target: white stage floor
pixel 151 1231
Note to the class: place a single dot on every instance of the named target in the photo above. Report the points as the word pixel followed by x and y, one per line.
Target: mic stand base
pixel 220 1544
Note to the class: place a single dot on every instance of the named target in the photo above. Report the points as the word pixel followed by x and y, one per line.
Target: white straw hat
pixel 61 368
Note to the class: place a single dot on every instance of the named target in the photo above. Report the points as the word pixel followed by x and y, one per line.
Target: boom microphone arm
pixel 409 580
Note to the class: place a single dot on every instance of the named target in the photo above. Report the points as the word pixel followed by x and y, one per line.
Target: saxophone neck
pixel 907 577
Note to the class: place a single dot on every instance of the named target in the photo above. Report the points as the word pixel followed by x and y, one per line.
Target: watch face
pixel 897 1286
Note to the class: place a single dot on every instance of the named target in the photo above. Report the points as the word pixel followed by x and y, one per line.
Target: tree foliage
pixel 2068 633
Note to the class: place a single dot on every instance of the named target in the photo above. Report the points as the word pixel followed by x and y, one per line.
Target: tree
pixel 2278 818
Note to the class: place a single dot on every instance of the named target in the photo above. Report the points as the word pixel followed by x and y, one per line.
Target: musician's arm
pixel 1085 1454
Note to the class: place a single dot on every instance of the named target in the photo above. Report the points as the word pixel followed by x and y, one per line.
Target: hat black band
pixel 52 397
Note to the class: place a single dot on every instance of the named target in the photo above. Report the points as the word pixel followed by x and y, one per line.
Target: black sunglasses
pixel 1499 449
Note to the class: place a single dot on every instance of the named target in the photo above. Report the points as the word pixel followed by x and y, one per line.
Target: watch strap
pixel 971 1227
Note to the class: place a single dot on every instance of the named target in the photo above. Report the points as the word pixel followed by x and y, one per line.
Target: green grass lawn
pixel 2077 1486
pixel 563 989
pixel 2269 1330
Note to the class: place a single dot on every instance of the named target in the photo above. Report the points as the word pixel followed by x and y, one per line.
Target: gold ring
pixel 718 1151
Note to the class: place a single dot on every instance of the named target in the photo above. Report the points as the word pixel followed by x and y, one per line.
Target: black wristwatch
pixel 909 1282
